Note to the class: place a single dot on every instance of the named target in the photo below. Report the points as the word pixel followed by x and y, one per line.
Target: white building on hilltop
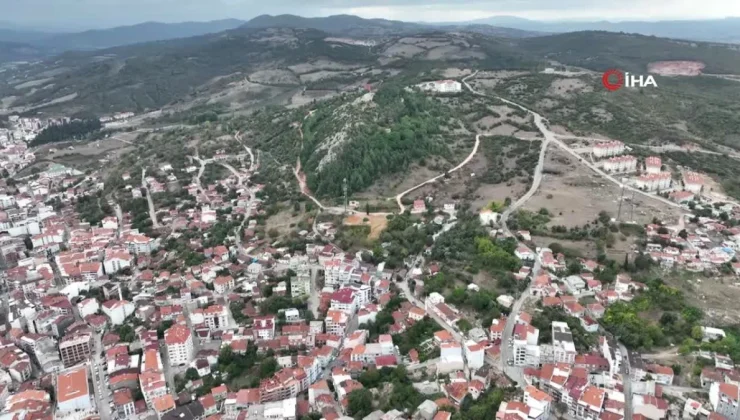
pixel 442 86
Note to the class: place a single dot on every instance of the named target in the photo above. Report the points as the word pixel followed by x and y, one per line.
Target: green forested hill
pixel 630 52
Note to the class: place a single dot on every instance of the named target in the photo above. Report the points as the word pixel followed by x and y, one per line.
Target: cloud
pixel 98 13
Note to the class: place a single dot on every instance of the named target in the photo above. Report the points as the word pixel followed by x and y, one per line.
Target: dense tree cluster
pixel 583 341
pixel 92 209
pixel 405 132
pixel 72 130
pixel 678 319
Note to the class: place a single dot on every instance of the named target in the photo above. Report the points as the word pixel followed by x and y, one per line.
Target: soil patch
pixel 676 68
pixel 377 223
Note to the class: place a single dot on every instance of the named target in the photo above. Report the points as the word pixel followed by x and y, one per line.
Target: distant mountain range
pixel 17 43
pixel 711 30
pixel 50 43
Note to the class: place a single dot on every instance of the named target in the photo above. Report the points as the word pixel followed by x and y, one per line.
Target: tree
pixel 367 209
pixel 192 374
pixel 268 367
pixel 360 403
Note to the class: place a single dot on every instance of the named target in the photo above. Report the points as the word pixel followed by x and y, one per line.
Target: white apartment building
pixel 693 181
pixel 654 182
pixel 118 310
pixel 344 300
pixel 725 399
pixel 336 322
pixel 300 285
pixel 368 352
pixel 140 244
pixel 526 350
pixel 562 349
pixel 179 342
pixel 607 149
pixel 216 317
pixel 474 354
pixel 653 164
pixel 442 86
pixel 621 164
pixel 538 401
pixel 116 261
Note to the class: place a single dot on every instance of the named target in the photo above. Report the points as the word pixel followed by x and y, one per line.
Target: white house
pixel 88 307
pixel 116 261
pixel 118 310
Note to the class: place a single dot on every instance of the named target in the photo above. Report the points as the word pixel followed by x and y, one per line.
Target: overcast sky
pixel 81 14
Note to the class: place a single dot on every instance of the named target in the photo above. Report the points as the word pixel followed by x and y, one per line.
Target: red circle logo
pixel 608 84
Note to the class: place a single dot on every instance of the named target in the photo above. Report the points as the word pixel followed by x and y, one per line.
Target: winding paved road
pixel 398 197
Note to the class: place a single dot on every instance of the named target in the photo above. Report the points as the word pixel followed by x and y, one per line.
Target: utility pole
pixel 632 209
pixel 621 198
pixel 344 188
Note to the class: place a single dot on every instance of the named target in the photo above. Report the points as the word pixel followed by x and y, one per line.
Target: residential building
pixel 73 393
pixel 525 348
pixel 607 149
pixel 216 317
pixel 123 401
pixel 653 164
pixel 693 181
pixel 562 349
pixel 474 354
pixel 264 327
pixel 300 285
pixel 621 164
pixel 344 300
pixel 222 284
pixel 725 399
pixel 590 404
pixel 654 182
pixel 75 348
pixel 538 401
pixel 179 342
pixel 118 310
pixel 336 322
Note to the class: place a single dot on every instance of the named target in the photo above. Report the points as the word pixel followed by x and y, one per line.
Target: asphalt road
pixel 100 388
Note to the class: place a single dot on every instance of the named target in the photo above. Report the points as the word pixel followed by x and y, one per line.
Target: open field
pixel 575 195
pixel 716 296
pixel 377 223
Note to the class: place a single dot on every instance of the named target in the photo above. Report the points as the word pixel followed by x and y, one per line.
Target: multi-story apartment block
pixel 526 350
pixel 653 164
pixel 300 285
pixel 725 399
pixel 336 322
pixel 179 342
pixel 590 404
pixel 654 182
pixel 620 164
pixel 216 317
pixel 562 349
pixel 75 348
pixel 606 149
